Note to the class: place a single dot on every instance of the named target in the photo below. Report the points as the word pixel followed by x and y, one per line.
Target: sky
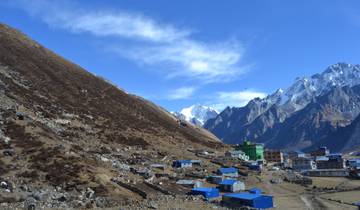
pixel 183 52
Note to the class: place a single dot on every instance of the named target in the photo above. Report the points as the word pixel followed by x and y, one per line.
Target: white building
pixel 237 154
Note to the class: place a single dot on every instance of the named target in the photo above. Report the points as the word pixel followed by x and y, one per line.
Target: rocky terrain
pixel 69 139
pixel 304 116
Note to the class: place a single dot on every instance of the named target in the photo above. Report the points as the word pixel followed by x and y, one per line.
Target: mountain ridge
pixel 264 119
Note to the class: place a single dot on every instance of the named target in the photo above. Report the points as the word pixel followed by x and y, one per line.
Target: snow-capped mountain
pixel 196 114
pixel 304 89
pixel 298 116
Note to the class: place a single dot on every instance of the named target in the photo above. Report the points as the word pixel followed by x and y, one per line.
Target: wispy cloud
pixel 234 99
pixel 181 93
pixel 169 48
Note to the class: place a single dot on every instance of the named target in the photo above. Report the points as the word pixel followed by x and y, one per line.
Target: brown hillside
pixel 64 127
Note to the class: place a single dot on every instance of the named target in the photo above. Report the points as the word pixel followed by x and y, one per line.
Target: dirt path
pixel 290 196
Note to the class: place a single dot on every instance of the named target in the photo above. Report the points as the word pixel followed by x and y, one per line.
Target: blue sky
pixel 182 52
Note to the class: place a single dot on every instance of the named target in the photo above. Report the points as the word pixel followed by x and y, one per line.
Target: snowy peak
pixel 197 114
pixel 304 89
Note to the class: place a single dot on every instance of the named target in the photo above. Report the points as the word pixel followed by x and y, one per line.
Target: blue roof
pixel 227 170
pixel 244 196
pixel 228 182
pixel 204 189
pixel 255 190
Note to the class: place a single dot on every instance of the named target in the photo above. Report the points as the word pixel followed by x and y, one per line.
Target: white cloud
pixel 200 61
pixel 234 99
pixel 181 93
pixel 167 47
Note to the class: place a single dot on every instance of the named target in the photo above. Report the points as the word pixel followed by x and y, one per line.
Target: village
pixel 253 177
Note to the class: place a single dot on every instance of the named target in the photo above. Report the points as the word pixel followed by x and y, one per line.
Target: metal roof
pixel 244 196
pixel 204 189
pixel 227 170
pixel 228 182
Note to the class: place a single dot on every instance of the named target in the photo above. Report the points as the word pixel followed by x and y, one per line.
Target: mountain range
pixel 196 114
pixel 306 115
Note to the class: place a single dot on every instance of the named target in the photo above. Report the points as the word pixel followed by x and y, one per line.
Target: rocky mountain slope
pixel 298 117
pixel 196 114
pixel 65 133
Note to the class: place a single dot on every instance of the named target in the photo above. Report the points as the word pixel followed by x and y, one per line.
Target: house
pixel 182 164
pixel 228 172
pixel 231 185
pixel 274 156
pixel 303 163
pixel 327 173
pixel 237 154
pixel 332 161
pixel 207 193
pixel 257 201
pixel 190 183
pixel 255 151
pixel 215 179
pixel 321 151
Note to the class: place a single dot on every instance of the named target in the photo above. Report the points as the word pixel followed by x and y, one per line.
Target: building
pixel 190 183
pixel 255 151
pixel 196 162
pixel 327 173
pixel 215 179
pixel 354 163
pixel 207 193
pixel 296 154
pixel 237 154
pixel 303 163
pixel 228 172
pixel 231 185
pixel 182 164
pixel 257 201
pixel 274 156
pixel 321 151
pixel 332 161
